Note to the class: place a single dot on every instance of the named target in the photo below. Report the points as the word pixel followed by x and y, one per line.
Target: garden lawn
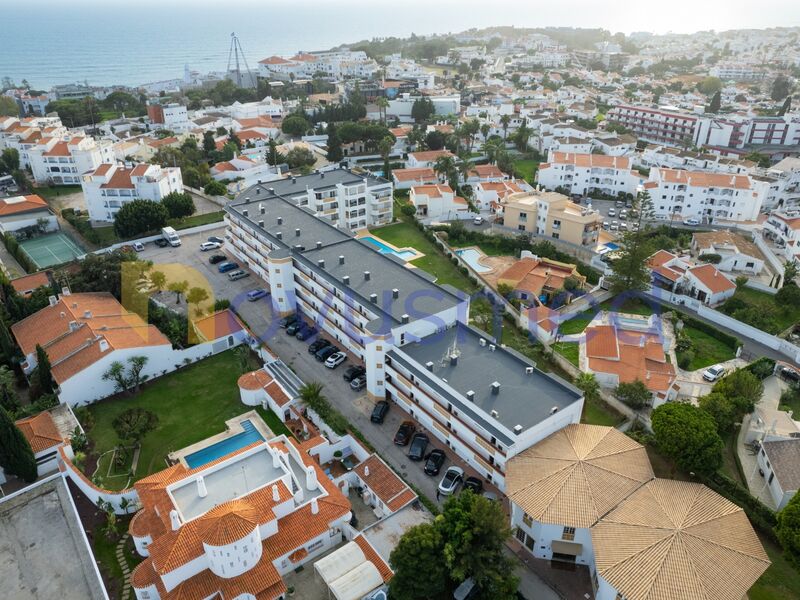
pixel 707 350
pixel 597 412
pixel 192 404
pixel 784 316
pixel 569 350
pixel 434 262
pixel 52 191
pixel 781 581
pixel 577 323
pixel 526 168
pixel 633 306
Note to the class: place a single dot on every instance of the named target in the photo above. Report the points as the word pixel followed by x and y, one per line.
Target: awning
pixel 571 548
pixel 338 563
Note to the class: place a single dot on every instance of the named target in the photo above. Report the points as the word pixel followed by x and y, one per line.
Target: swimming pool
pixel 471 256
pixel 384 249
pixel 210 453
pixel 611 246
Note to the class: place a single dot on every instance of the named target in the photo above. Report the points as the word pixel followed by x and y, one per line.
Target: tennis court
pixel 52 249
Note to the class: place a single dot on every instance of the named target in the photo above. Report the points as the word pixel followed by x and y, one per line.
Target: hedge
pixel 81 224
pixel 723 337
pixel 762 368
pixel 15 250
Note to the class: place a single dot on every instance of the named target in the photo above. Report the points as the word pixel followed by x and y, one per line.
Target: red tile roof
pixel 41 431
pixel 22 204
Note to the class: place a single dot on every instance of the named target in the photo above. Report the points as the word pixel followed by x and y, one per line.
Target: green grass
pixel 577 323
pixel 783 316
pixel 633 306
pixel 406 234
pixel 707 349
pixel 781 581
pixel 569 350
pixel 273 421
pixel 52 191
pixel 526 168
pixel 599 413
pixel 192 404
pixel 105 553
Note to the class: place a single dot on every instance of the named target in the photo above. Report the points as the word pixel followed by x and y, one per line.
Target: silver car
pixel 451 480
pixel 238 274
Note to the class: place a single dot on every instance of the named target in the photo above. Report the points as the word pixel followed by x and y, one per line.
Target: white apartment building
pixel 108 187
pixel 55 161
pixel 784 184
pixel 708 197
pixel 443 105
pixel 783 227
pixel 655 155
pixel 333 63
pixel 437 202
pixel 409 332
pixel 585 173
pixel 734 71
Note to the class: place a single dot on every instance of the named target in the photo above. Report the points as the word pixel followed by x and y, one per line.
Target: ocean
pixel 108 42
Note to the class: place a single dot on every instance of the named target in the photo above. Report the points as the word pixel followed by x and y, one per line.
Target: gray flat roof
pixel 417 297
pixel 292 186
pixel 43 552
pixel 524 399
pixel 232 480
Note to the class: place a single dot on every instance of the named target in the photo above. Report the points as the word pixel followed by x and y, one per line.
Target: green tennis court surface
pixel 51 249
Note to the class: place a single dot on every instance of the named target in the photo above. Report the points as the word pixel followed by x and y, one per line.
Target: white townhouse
pixel 778 460
pixel 426 158
pixel 108 187
pixel 707 197
pixel 489 195
pixel 623 145
pixel 737 253
pixel 437 202
pixel 581 174
pixel 409 332
pixel 20 212
pixel 783 227
pixel 783 179
pixel 55 161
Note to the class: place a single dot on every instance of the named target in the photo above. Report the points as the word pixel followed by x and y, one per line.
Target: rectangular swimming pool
pixel 384 249
pixel 248 435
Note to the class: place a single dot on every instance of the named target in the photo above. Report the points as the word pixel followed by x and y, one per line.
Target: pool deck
pixel 232 427
pixel 366 233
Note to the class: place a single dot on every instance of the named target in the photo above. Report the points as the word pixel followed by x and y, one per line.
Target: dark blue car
pixel 227 266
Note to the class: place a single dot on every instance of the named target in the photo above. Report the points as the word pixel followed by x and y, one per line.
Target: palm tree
pixel 158 280
pixel 382 104
pixel 485 129
pixel 385 149
pixel 504 121
pixel 195 296
pixel 464 166
pixel 179 287
pixel 587 382
pixel 311 395
pixel 492 149
pixel 445 167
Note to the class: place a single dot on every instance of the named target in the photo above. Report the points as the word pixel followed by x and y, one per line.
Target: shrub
pixel 221 304
pixel 762 368
pixel 685 359
pixel 714 259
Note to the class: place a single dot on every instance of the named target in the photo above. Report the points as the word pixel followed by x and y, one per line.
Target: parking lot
pixel 355 406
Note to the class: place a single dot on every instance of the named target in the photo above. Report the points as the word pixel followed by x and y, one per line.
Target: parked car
pixel 379 412
pixel 305 332
pixel 206 246
pixel 614 226
pixel 612 212
pixel 451 480
pixel 619 204
pixel 359 383
pixel 623 214
pixel 254 295
pixel 606 225
pixel 435 462
pixel 217 258
pixel 713 373
pixel 216 239
pixel 789 374
pixel 138 246
pixel 161 242
pixel 323 354
pixel 287 320
pixel 227 266
pixel 404 433
pixel 477 221
pixel 691 222
pixel 335 359
pixel 317 345
pixel 623 226
pixel 474 484
pixel 419 443
pixel 238 274
pixel 353 371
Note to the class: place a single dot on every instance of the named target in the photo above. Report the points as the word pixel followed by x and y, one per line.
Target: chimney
pixel 395 293
pixel 276 459
pixel 245 213
pixel 373 298
pixel 341 259
pixel 453 360
pixel 492 347
pixel 314 506
pixel 247 199
pixel 261 209
pixel 429 366
pixel 280 220
pixel 65 291
pixel 52 300
pixel 366 275
pixel 63 314
pixel 517 429
pixel 471 396
pixel 297 232
pixel 73 325
pixel 319 245
pixel 294 180
pixel 529 370
pixel 103 344
pixel 321 264
pixel 494 414
pixel 261 224
pixel 258 190
pixel 276 495
pixel 346 280
pixel 311 478
pixel 322 175
pixel 366 471
pixel 404 319
pixel 174 520
pixel 201 487
pixel 271 191
pixel 496 388
pixel 279 235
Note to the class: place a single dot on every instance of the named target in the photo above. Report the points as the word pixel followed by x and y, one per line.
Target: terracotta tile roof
pixel 41 431
pixel 58 149
pixel 383 482
pixel 30 282
pixel 415 174
pixel 273 60
pixel 261 121
pixel 228 523
pixel 660 258
pixel 590 160
pixel 712 278
pixel 206 584
pixel 487 171
pixel 21 204
pixel 140 170
pixel 372 556
pixel 251 134
pixel 430 155
pixel 217 325
pixel 432 191
pixel 705 179
pixel 120 179
pixel 675 539
pixel 162 142
pixel 576 475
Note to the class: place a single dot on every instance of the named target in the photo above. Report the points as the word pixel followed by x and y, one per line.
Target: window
pixel 527 519
pixel 520 535
pixel 568 533
pixel 771 477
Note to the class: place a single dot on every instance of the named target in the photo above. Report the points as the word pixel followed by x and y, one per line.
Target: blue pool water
pixel 384 249
pixel 612 246
pixel 249 435
pixel 471 256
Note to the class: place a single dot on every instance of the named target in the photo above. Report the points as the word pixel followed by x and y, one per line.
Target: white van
pixel 171 236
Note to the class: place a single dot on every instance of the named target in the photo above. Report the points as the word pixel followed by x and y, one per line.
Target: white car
pixel 612 212
pixel 206 246
pixel 614 226
pixel 478 221
pixel 713 373
pixel 138 246
pixel 691 222
pixel 335 359
pixel 451 480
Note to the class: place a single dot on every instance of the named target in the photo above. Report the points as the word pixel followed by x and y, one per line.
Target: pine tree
pixel 16 455
pixel 44 375
pixel 716 103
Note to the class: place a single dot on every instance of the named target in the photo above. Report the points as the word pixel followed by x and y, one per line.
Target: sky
pixel 681 16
